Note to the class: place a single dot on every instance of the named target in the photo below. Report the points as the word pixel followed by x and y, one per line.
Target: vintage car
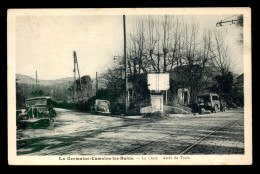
pixel 209 102
pixel 20 111
pixel 38 110
pixel 101 107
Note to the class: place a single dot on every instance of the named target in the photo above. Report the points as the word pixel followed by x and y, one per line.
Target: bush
pixel 156 115
pixel 64 105
pixel 195 108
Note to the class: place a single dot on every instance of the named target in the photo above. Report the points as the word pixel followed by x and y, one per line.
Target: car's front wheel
pixel 216 109
pixel 202 110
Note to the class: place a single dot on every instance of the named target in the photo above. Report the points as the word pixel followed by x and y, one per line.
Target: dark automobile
pixel 209 102
pixel 38 110
pixel 101 107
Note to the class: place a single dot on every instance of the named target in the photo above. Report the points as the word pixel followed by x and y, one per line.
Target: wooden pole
pixel 126 88
pixel 158 58
pixel 74 94
pixel 166 98
pixel 96 83
pixel 80 85
pixel 78 70
pixel 36 81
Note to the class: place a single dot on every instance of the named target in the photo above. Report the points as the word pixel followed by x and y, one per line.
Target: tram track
pixel 189 147
pixel 206 136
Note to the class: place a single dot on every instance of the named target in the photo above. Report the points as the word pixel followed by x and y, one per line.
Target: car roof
pixel 37 98
pixel 101 100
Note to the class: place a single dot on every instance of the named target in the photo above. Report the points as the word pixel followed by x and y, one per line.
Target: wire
pixel 229 17
pixel 223 21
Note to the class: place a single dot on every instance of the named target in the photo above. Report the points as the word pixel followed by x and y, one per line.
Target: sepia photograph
pixel 129 86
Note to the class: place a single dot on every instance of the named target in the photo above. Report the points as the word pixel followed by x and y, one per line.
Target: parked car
pixel 20 111
pixel 101 107
pixel 38 110
pixel 209 102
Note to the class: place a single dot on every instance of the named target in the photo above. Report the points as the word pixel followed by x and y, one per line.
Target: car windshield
pixel 36 102
pixel 214 98
pixel 104 103
pixel 203 99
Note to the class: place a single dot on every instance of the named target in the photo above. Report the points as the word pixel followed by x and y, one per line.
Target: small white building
pixel 184 96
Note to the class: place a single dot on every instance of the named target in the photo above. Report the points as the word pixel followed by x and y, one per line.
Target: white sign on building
pixel 158 82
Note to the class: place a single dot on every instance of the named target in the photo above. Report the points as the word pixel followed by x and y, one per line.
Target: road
pixel 78 133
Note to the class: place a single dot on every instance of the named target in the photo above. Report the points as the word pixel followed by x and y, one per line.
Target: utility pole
pixel 36 82
pixel 166 97
pixel 75 55
pixel 164 59
pixel 76 65
pixel 96 83
pixel 158 58
pixel 74 70
pixel 126 88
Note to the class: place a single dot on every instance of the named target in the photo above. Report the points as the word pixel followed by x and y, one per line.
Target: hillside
pixel 101 85
pixel 30 80
pixel 58 89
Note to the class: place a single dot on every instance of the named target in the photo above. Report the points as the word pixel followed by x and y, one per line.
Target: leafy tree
pixel 171 44
pixel 38 93
pixel 228 90
pixel 240 24
pixel 20 98
pixel 83 88
pixel 225 83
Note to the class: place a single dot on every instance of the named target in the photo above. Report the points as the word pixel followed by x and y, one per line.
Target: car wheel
pixel 202 110
pixel 216 108
pixel 52 117
pixel 48 122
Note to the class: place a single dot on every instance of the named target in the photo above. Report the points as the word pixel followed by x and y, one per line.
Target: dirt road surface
pixel 78 133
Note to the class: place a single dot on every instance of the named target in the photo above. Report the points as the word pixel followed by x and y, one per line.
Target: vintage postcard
pixel 143 86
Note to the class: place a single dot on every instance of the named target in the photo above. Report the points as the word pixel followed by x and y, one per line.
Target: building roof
pixel 240 78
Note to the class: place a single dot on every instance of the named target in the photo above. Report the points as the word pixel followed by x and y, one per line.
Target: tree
pixel 83 88
pixel 38 93
pixel 113 78
pixel 194 57
pixel 225 87
pixel 170 44
pixel 20 98
pixel 240 24
pixel 225 83
pixel 220 51
pixel 228 90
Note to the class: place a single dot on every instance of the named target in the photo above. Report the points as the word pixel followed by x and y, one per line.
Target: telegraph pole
pixel 36 82
pixel 74 70
pixel 75 55
pixel 158 58
pixel 96 83
pixel 166 97
pixel 126 88
pixel 76 66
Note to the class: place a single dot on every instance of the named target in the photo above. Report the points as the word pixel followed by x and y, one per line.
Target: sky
pixel 46 43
